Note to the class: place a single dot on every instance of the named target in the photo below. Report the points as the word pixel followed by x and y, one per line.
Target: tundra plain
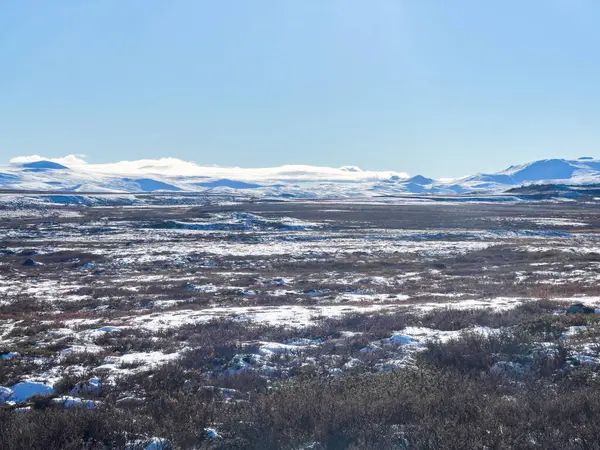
pixel 392 323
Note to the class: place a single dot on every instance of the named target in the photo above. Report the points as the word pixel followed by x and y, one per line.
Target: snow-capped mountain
pixel 173 175
pixel 578 171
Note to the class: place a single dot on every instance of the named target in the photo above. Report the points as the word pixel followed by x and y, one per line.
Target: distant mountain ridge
pixel 581 170
pixel 284 182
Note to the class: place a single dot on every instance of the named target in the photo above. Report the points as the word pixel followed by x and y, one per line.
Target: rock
pixel 69 402
pixel 580 308
pixel 30 262
pixel 27 389
pixel 212 433
pixel 93 386
pixel 158 444
pixel 369 348
pixel 5 394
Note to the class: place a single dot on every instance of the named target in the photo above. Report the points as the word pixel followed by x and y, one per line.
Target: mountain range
pixel 293 181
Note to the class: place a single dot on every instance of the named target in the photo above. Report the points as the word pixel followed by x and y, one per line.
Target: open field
pixel 300 325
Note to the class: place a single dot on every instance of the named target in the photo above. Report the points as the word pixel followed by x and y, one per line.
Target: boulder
pixel 30 262
pixel 25 390
pixel 69 402
pixel 212 433
pixel 580 308
pixel 5 394
pixel 158 444
pixel 93 386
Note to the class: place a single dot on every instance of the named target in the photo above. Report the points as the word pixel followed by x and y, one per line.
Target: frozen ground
pixel 276 291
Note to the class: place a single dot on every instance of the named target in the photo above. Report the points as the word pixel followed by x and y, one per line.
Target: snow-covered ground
pixel 96 301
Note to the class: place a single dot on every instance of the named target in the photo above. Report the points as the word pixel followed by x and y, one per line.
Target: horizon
pixel 415 87
pixel 168 166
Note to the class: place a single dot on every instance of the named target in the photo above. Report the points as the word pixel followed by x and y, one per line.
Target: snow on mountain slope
pixel 581 170
pixel 420 179
pixel 169 174
pixel 549 169
pixel 292 181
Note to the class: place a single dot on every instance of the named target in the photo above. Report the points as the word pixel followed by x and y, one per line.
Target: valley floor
pixel 300 325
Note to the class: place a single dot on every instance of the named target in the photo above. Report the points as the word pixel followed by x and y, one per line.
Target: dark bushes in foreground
pixel 426 409
pixel 429 408
pixel 51 429
pixel 450 399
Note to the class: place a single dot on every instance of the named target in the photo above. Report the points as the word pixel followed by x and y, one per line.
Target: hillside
pixel 171 175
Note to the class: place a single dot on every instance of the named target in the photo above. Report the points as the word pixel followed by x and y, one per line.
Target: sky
pixel 443 88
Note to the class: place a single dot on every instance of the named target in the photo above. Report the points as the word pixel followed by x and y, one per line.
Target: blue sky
pixel 440 87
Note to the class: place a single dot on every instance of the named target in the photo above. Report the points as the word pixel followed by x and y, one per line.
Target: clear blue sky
pixel 443 87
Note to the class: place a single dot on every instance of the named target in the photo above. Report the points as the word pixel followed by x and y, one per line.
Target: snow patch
pixel 27 389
